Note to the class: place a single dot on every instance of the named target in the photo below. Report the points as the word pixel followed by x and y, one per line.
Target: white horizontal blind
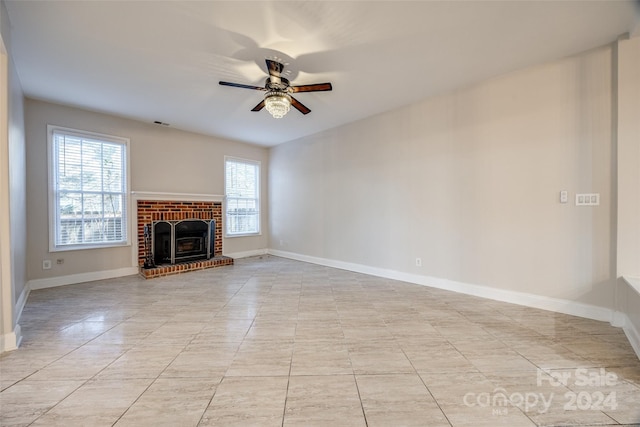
pixel 242 184
pixel 89 190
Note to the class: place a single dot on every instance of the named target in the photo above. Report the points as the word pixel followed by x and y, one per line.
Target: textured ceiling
pixel 162 60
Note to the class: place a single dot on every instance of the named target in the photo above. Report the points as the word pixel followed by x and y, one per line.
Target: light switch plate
pixel 588 199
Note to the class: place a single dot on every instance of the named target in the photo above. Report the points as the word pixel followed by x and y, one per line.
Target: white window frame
pixel 53 211
pixel 227 222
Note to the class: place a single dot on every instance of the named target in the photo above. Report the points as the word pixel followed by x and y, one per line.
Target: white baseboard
pixel 633 282
pixel 22 301
pixel 72 279
pixel 247 254
pixel 627 302
pixel 618 319
pixel 633 335
pixel 521 298
pixel 10 341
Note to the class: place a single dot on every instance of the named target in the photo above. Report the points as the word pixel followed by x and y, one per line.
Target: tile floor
pixel 274 342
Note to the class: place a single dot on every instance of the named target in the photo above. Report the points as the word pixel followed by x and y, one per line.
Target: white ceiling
pixel 162 60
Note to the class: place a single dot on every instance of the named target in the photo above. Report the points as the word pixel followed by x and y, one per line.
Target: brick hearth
pixel 158 210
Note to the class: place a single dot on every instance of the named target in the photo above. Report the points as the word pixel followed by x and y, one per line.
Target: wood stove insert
pixel 182 241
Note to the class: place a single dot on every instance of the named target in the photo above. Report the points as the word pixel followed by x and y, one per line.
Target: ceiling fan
pixel 278 99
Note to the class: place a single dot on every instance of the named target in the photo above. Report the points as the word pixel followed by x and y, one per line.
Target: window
pixel 88 189
pixel 242 184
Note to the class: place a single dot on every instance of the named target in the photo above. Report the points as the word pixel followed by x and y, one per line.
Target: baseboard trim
pixel 73 279
pixel 633 282
pixel 520 298
pixel 247 254
pixel 10 341
pixel 618 319
pixel 22 301
pixel 633 335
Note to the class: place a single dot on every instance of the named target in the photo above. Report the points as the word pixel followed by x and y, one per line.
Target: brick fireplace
pixel 150 211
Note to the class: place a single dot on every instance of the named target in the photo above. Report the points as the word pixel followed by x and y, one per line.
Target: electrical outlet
pixel 46 264
pixel 418 262
pixel 60 261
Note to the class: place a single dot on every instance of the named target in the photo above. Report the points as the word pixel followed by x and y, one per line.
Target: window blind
pixel 242 209
pixel 89 190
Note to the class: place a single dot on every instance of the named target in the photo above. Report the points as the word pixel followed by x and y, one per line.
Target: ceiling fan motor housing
pixel 275 85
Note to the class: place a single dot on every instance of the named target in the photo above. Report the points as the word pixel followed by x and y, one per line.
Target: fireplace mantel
pixel 186 197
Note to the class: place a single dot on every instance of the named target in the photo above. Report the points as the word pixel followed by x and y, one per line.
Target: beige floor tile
pixel 262 358
pixel 558 360
pixel 452 388
pixel 322 401
pixel 200 360
pixel 624 406
pixel 526 380
pixel 81 364
pixel 247 401
pixel 319 329
pixel 562 417
pixel 507 362
pixel 630 373
pixel 272 330
pixel 224 330
pixel 398 400
pixel 409 327
pixel 378 357
pixel 190 314
pixel 366 332
pixel 320 357
pixel 602 389
pixel 174 334
pixel 485 416
pixel 440 358
pixel 143 361
pixel 171 402
pixel 237 311
pixel 15 365
pixel 486 346
pixel 128 332
pixel 25 401
pixel 96 403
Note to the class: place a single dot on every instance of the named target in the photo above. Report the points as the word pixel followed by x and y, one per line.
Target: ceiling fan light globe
pixel 277 104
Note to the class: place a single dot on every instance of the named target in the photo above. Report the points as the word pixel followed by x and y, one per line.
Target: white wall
pixel 162 160
pixel 467 181
pixel 629 157
pixel 13 241
pixel 18 182
pixel 628 215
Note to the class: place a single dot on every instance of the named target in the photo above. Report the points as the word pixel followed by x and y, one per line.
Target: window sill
pixel 231 236
pixel 86 247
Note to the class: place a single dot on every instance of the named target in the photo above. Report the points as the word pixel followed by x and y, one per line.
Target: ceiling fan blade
pixel 318 87
pixel 242 86
pixel 274 68
pixel 299 106
pixel 259 107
